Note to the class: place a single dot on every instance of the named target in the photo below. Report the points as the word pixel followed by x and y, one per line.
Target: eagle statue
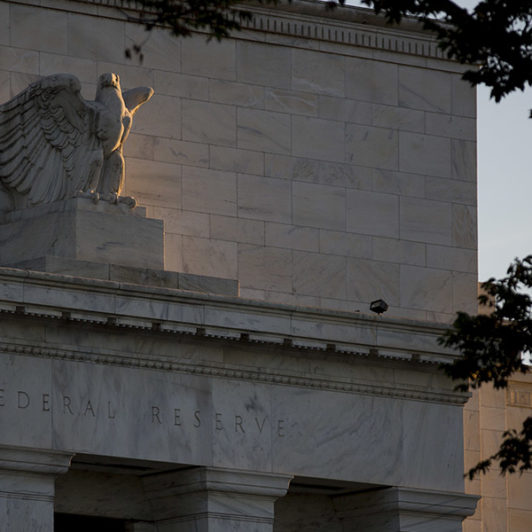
pixel 56 145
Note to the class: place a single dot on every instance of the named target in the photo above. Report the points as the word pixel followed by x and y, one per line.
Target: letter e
pixel 46 402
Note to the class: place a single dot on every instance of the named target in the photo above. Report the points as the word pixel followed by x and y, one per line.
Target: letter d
pixel 23 400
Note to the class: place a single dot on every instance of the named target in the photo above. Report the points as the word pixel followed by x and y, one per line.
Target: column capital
pixel 217 479
pixel 389 508
pixel 32 460
pixel 27 487
pixel 211 495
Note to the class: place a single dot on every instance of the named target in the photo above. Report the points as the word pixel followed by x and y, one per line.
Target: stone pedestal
pixel 398 509
pixel 27 488
pixel 83 230
pixel 215 500
pixel 98 241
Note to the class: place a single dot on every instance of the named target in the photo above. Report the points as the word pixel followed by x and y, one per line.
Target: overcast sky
pixel 504 179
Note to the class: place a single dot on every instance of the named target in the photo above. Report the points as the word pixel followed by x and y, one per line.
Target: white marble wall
pixel 315 173
pixel 215 420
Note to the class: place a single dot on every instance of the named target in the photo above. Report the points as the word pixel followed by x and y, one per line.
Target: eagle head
pixel 109 80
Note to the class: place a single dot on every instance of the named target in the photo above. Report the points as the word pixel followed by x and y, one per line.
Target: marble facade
pixel 213 365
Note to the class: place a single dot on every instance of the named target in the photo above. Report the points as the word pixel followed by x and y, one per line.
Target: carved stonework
pixel 56 145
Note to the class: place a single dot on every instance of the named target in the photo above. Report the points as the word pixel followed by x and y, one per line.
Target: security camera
pixel 378 306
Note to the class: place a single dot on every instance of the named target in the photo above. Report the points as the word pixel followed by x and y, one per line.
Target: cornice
pixel 303 21
pixel 125 305
pixel 348 25
pixel 109 304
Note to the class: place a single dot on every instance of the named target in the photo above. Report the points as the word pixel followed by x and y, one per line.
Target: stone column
pixel 404 509
pixel 207 499
pixel 27 488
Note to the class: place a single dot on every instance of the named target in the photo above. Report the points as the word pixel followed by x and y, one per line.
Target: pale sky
pixel 504 179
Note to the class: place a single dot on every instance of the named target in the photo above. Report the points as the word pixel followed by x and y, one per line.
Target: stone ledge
pixel 71 205
pixel 131 275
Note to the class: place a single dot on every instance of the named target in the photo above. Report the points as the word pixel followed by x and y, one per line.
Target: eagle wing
pixel 134 98
pixel 49 149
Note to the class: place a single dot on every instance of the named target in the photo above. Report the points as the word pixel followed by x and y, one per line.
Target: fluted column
pixel 208 499
pixel 27 478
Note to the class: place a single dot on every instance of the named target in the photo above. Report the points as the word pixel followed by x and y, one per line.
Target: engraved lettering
pixel 89 408
pixel 522 398
pixel 46 402
pixel 155 414
pixel 23 400
pixel 181 416
pixel 238 423
pixel 66 404
pixel 197 423
pixel 260 425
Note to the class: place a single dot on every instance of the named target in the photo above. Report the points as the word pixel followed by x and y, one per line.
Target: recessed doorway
pixel 85 523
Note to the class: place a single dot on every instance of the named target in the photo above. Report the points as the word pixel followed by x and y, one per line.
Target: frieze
pixel 334 31
pixel 68 405
pixel 166 312
pixel 235 373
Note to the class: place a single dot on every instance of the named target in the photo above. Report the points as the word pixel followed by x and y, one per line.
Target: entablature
pixel 309 24
pixel 25 294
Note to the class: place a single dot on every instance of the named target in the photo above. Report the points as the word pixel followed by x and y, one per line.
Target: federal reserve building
pixel 224 269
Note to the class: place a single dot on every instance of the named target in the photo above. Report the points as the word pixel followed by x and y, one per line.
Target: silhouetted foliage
pixel 492 346
pixel 218 17
pixel 496 35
